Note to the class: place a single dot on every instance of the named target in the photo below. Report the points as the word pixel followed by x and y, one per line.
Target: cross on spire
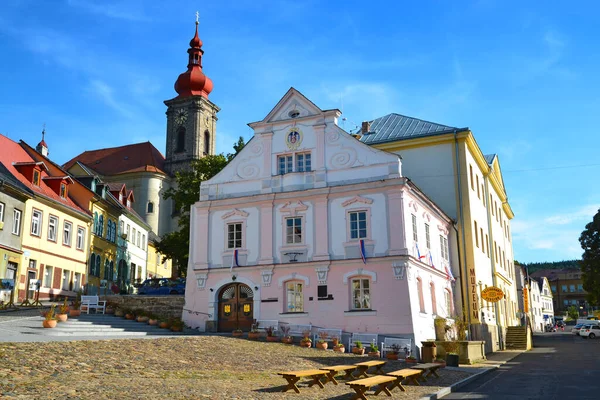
pixel 197 17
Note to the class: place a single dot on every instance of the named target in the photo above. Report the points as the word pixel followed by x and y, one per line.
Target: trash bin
pixel 428 352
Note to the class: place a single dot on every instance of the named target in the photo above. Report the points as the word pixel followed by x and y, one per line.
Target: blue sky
pixel 523 78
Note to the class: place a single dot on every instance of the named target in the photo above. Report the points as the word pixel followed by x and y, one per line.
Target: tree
pixel 590 263
pixel 175 245
pixel 573 313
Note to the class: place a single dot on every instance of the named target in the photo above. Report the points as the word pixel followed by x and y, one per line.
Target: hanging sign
pixel 525 300
pixel 492 294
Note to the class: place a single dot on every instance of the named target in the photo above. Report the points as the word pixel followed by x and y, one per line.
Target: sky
pixel 523 78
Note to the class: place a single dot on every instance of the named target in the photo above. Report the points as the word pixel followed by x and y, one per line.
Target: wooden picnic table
pixel 362 368
pixel 402 374
pixel 335 369
pixel 362 385
pixel 293 377
pixel 428 369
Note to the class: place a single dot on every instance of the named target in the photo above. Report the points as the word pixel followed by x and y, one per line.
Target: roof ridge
pixel 415 118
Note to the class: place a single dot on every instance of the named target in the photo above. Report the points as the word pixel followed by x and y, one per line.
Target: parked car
pixel 590 331
pixel 162 286
pixel 576 328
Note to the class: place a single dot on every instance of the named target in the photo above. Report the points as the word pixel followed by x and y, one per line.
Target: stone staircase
pixel 109 326
pixel 517 338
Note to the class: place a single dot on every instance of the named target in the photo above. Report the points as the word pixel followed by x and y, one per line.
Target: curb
pixel 454 387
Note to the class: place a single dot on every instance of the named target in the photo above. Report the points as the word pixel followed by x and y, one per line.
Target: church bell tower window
pixel 206 143
pixel 180 147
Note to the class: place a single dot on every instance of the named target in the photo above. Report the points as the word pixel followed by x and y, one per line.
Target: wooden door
pixel 236 303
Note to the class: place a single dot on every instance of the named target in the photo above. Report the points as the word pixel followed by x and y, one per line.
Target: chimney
pixel 365 128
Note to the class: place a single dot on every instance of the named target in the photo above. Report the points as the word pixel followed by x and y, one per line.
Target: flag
pixel 234 260
pixel 418 252
pixel 449 275
pixel 363 253
pixel 431 260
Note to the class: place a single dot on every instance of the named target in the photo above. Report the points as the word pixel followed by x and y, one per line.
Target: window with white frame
pixel 234 235
pixel 80 238
pixel 285 164
pixel 36 223
pixel 361 294
pixel 48 276
pixel 414 228
pixel 1 212
pixel 67 230
pixel 444 247
pixel 297 162
pixel 52 226
pixel 420 294
pixel 293 230
pixel 139 239
pixel 143 241
pixel 132 239
pixel 358 224
pixel 294 297
pixel 427 237
pixel 16 228
pixel 303 162
pixel 448 300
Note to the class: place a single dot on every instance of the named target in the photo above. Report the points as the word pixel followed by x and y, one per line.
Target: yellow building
pixel 448 165
pixel 157 267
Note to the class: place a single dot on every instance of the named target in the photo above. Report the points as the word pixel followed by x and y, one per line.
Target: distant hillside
pixel 570 264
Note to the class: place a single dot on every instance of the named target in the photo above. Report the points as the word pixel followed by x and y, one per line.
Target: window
pixel 358 224
pixel 48 276
pixel 67 229
pixel 234 235
pixel 36 177
pixel 414 227
pixel 293 230
pixel 566 302
pixel 285 164
pixel 132 240
pixel 476 236
pixel 580 287
pixel 128 229
pixel 444 247
pixel 571 288
pixel 139 238
pixel 143 241
pixel 52 224
pixel 206 142
pixel 553 288
pixel 107 270
pixel 36 223
pixel 471 175
pixel 121 227
pixel 150 208
pixel 427 238
pixel 433 299
pixel 32 264
pixel 477 181
pixel 101 225
pixel 80 238
pixel 492 205
pixel 180 145
pixel 63 190
pixel 16 228
pixel 481 235
pixel 420 294
pixel 487 245
pixel 361 294
pixel 1 211
pixel 294 297
pixel 303 162
pixel 448 300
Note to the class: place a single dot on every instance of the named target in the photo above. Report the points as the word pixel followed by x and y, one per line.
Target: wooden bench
pixel 362 368
pixel 365 338
pixel 405 345
pixel 428 369
pixel 362 385
pixel 335 369
pixel 293 377
pixel 92 302
pixel 402 374
pixel 327 333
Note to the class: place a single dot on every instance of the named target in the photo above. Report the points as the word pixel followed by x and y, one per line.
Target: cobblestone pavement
pixel 21 312
pixel 202 367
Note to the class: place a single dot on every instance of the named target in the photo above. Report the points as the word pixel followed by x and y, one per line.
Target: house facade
pixel 546 300
pixel 448 165
pixel 309 226
pixel 567 290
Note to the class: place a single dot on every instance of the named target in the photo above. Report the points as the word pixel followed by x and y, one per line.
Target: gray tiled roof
pixel 489 158
pixel 394 127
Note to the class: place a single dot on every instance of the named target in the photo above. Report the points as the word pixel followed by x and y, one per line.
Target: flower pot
pixel 62 317
pixel 119 313
pixel 357 351
pixel 152 322
pixel 142 319
pixel 391 356
pixel 272 339
pixel 49 324
pixel 374 354
pixel 253 335
pixel 339 349
pixel 163 325
pixel 287 340
pixel 237 333
pixel 305 344
pixel 452 360
pixel 410 361
pixel 176 328
pixel 74 313
pixel 322 345
pixel 129 316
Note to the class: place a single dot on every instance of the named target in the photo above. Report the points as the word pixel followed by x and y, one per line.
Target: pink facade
pixel 281 233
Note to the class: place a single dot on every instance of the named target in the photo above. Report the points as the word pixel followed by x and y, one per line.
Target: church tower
pixel 191 116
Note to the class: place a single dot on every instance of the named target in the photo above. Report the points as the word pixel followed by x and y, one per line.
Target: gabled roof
pixel 11 154
pixel 394 127
pixel 138 157
pixel 489 158
pixel 7 178
pixel 114 186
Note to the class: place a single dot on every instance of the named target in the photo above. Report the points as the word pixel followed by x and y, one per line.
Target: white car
pixel 590 331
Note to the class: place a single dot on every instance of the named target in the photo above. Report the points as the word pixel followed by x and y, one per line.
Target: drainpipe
pixel 464 283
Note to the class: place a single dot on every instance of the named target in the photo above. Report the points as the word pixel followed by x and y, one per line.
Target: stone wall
pixel 167 306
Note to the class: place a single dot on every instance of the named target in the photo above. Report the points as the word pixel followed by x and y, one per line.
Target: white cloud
pixel 583 214
pixel 105 93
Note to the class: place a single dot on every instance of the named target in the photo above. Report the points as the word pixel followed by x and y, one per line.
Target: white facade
pixel 134 248
pixel 547 303
pixel 537 317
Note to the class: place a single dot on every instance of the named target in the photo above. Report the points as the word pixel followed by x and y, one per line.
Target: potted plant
pixel 441 361
pixel 306 342
pixel 63 312
pixel 110 308
pixel 411 360
pixel 451 353
pixel 237 332
pixel 129 314
pixel 335 340
pixel 74 310
pixel 285 334
pixel 152 319
pixel 322 342
pixel 393 353
pixel 119 312
pixel 164 323
pixel 271 334
pixel 50 320
pixel 254 334
pixel 358 348
pixel 141 316
pixel 374 351
pixel 177 325
pixel 339 348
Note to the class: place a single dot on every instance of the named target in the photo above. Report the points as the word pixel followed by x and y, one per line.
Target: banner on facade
pixel 7 284
pixel 34 284
pixel 525 300
pixel 492 294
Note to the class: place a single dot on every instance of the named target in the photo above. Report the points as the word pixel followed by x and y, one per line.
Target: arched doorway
pixel 236 302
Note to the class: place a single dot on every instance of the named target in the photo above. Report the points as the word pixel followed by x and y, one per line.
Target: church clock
pixel 181 116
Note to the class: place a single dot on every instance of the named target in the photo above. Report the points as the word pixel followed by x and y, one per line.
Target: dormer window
pixel 128 203
pixel 36 177
pixel 121 197
pixel 63 191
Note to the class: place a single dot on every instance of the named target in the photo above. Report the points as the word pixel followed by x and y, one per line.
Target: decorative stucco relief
pixel 413 205
pixel 267 276
pixel 293 207
pixel 322 274
pixel 248 168
pixel 443 229
pixel 360 271
pixel 237 212
pixel 346 157
pixel 427 216
pixel 201 280
pixel 400 269
pixel 287 112
pixel 357 199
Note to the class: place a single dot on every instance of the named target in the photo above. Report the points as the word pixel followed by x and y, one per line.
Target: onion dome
pixel 193 82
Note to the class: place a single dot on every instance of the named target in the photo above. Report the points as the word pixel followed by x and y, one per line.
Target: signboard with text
pixel 492 294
